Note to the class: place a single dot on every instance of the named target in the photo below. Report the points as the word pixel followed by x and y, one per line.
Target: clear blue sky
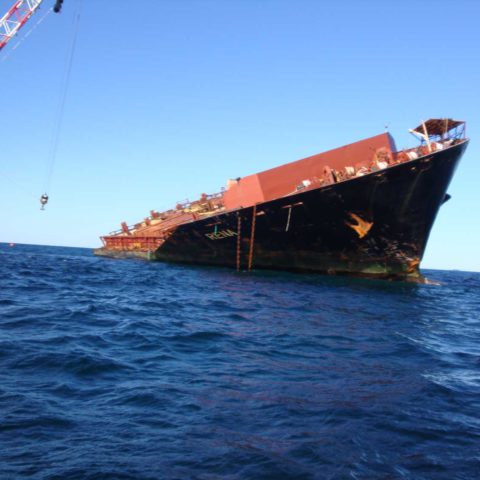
pixel 168 99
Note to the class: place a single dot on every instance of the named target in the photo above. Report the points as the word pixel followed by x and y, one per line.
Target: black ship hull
pixel 376 225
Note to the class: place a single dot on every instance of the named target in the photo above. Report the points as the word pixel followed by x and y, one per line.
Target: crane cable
pixel 61 104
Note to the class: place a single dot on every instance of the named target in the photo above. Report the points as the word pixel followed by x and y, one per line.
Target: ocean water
pixel 113 369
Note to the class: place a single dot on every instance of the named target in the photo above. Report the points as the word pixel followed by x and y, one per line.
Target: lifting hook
pixel 43 201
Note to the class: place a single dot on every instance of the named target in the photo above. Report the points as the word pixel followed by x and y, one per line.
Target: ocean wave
pixel 117 369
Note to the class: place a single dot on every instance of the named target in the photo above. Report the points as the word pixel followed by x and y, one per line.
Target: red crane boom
pixel 17 16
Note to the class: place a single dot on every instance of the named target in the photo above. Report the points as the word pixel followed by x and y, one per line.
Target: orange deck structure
pixel 307 172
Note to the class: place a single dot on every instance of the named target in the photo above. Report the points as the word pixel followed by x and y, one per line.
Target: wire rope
pixel 54 142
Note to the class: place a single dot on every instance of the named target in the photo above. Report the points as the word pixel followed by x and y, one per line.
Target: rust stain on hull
pixel 362 227
pixel 413 265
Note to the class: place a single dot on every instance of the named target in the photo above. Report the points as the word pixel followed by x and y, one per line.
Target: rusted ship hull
pixel 376 225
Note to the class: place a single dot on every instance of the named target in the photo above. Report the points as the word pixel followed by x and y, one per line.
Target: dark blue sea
pixel 118 369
